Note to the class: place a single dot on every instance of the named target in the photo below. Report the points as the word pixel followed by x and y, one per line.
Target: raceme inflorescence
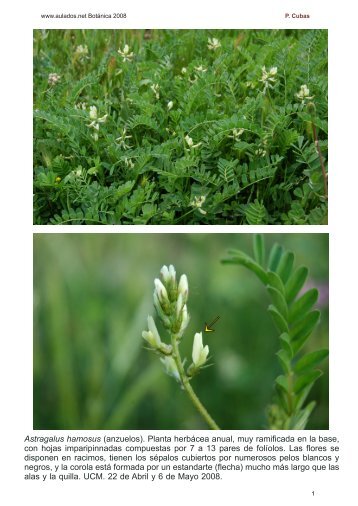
pixel 170 302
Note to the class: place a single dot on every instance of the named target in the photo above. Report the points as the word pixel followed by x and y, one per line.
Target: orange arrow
pixel 208 327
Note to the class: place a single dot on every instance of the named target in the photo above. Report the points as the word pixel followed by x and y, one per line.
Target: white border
pixel 16 212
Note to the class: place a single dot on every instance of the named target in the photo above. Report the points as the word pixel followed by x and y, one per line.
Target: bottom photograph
pixel 180 331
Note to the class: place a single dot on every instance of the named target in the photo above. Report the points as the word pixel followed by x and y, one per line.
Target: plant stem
pixel 188 388
pixel 321 161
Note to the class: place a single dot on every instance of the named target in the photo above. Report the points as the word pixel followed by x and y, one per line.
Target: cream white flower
pixel 153 329
pixel 81 105
pixel 122 139
pixel 82 51
pixel 93 114
pixel 304 93
pixel 184 70
pixel 213 44
pixel 153 338
pixel 201 69
pixel 152 335
pixel 237 133
pixel 268 77
pixel 183 287
pixel 180 305
pixel 161 291
pixel 198 202
pixel 170 105
pixel 260 152
pixel 126 54
pixel 168 274
pixel 190 142
pixel 200 353
pixel 170 367
pixel 128 163
pixel 155 90
pixel 53 78
pixel 158 306
pixel 185 320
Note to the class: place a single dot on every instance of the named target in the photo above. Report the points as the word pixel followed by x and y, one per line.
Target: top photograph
pixel 180 127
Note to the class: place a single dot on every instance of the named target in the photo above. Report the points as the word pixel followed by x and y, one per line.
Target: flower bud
pixel 153 329
pixel 183 287
pixel 171 367
pixel 162 315
pixel 184 321
pixel 161 292
pixel 93 112
pixel 179 306
pixel 168 274
pixel 200 353
pixel 311 108
pixel 150 338
pixel 153 338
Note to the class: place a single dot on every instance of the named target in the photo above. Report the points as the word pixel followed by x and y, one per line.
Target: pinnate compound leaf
pixel 240 258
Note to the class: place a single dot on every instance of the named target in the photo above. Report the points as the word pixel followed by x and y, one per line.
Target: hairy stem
pixel 188 388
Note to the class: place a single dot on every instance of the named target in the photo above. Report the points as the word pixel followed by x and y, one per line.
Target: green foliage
pixel 177 120
pixel 295 319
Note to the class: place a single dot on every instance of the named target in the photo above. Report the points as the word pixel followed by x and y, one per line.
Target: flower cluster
pixel 122 139
pixel 155 90
pixel 268 77
pixel 81 53
pixel 190 142
pixel 81 105
pixel 126 54
pixel 198 202
pixel 236 133
pixel 170 302
pixel 93 114
pixel 53 78
pixel 213 44
pixel 200 69
pixel 304 94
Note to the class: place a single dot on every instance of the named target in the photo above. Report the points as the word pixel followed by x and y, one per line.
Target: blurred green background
pixel 92 295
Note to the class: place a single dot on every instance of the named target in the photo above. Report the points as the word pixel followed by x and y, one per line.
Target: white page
pixel 319 487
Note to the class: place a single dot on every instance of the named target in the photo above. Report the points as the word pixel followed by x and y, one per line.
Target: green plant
pixel 295 318
pixel 167 127
pixel 291 311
